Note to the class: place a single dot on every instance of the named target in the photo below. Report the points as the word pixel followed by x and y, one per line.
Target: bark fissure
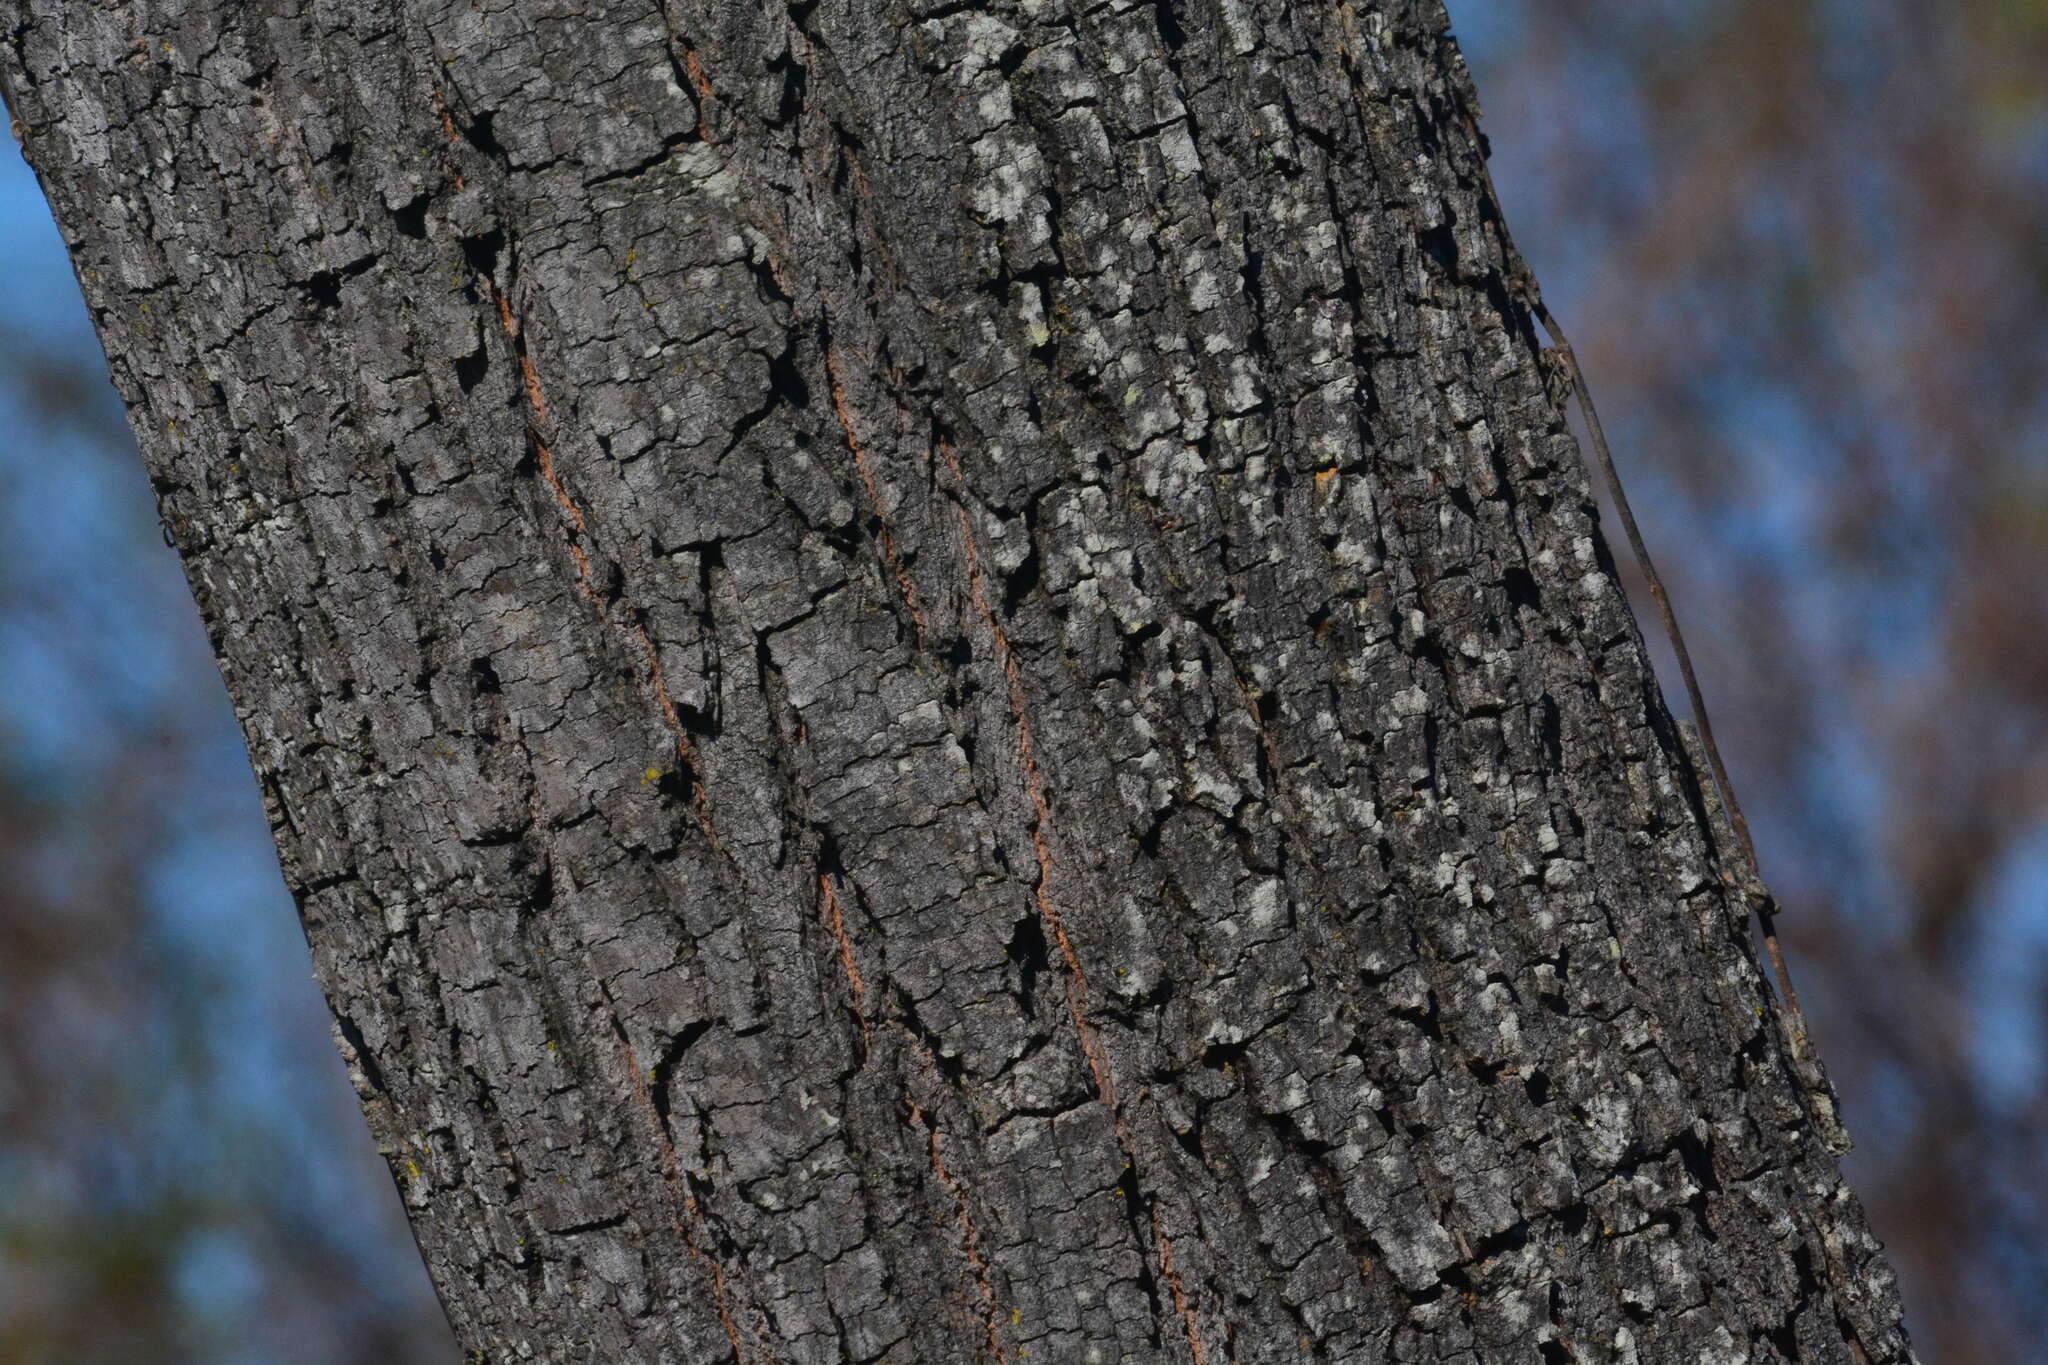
pixel 1048 912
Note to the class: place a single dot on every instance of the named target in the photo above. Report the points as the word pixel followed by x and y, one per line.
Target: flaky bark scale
pixel 938 683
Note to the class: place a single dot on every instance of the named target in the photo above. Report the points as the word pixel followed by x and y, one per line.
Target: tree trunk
pixel 938 681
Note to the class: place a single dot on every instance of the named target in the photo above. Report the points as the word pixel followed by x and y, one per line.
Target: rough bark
pixel 938 682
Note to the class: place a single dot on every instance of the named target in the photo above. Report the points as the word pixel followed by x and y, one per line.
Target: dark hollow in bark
pixel 938 683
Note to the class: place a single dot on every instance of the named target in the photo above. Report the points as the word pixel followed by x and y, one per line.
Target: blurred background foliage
pixel 1802 246
pixel 184 1175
